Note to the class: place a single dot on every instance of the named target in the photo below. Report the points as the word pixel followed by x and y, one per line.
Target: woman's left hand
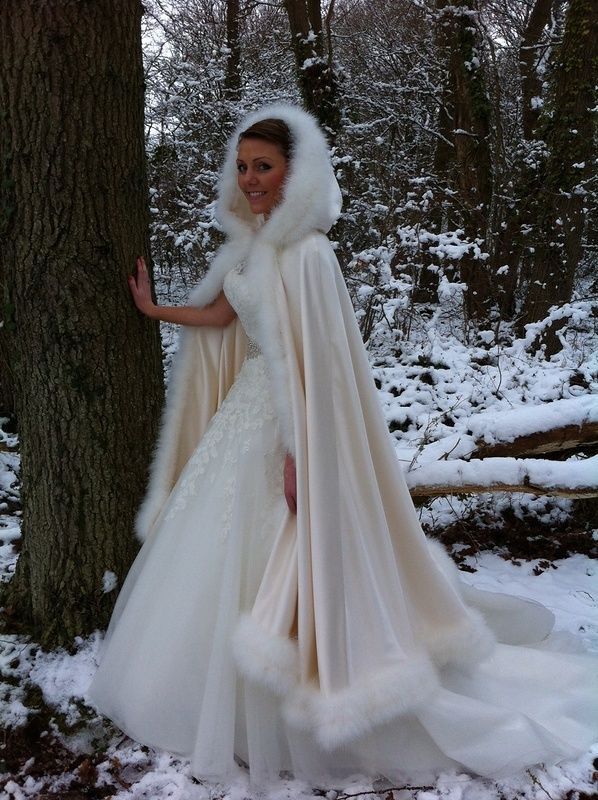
pixel 290 483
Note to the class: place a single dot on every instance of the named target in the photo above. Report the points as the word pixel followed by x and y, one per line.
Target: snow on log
pixel 567 437
pixel 521 431
pixel 573 478
pixel 561 424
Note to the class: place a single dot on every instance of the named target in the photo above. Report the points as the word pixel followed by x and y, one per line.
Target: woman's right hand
pixel 290 483
pixel 139 285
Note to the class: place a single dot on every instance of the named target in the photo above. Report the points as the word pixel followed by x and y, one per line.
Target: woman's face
pixel 261 170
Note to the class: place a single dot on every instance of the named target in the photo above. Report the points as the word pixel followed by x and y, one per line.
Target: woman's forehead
pixel 255 149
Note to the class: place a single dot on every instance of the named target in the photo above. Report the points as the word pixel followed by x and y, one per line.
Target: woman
pixel 285 609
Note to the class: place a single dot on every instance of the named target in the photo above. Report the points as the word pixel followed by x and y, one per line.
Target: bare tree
pixel 530 54
pixel 559 198
pixel 313 56
pixel 468 108
pixel 232 80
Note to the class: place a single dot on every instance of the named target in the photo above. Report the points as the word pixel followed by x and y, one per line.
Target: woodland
pixel 463 136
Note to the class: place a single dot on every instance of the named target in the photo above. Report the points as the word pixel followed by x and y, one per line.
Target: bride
pixel 285 609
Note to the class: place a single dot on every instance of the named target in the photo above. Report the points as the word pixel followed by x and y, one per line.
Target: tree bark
pixel 531 85
pixel 87 366
pixel 7 403
pixel 469 111
pixel 511 245
pixel 232 78
pixel 7 400
pixel 559 205
pixel 315 74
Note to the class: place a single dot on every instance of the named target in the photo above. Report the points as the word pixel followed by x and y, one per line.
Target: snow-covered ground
pixel 134 771
pixel 440 397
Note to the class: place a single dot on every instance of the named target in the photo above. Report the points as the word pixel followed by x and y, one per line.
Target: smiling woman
pixel 262 160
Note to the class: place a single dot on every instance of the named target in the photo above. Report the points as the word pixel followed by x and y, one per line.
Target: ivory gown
pixel 167 676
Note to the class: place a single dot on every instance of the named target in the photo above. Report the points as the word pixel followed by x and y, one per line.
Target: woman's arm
pixel 218 314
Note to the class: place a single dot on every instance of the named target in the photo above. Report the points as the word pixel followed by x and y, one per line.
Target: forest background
pixel 463 136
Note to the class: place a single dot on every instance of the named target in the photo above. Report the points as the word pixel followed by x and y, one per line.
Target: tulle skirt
pixel 167 676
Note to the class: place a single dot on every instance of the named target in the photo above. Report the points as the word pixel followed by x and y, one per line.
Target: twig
pixel 344 796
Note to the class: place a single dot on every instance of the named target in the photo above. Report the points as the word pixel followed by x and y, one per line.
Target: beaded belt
pixel 253 349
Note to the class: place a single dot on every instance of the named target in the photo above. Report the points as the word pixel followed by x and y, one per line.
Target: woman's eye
pixel 264 167
pixel 240 167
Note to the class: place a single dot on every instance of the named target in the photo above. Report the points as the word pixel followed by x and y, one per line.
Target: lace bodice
pixel 244 298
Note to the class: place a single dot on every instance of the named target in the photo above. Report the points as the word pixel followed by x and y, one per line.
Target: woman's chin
pixel 260 208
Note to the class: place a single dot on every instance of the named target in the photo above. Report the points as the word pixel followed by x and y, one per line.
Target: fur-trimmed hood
pixel 311 197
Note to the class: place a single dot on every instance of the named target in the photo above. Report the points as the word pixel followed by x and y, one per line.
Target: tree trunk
pixel 7 400
pixel 6 309
pixel 232 78
pixel 511 245
pixel 469 111
pixel 569 135
pixel 87 366
pixel 426 280
pixel 315 74
pixel 531 84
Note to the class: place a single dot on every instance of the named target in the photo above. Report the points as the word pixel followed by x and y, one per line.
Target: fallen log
pixel 567 437
pixel 533 430
pixel 555 491
pixel 572 479
pixel 527 430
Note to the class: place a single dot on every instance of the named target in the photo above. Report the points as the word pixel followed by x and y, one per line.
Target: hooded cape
pixel 356 612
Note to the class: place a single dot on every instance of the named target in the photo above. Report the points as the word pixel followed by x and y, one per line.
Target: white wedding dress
pixel 167 676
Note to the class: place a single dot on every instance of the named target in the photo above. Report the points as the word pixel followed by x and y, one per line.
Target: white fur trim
pixel 345 716
pixel 266 659
pixel 470 642
pixel 312 199
pixel 162 465
pixel 228 256
pixel 270 340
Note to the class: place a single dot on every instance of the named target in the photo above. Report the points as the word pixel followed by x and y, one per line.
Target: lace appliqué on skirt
pixel 229 435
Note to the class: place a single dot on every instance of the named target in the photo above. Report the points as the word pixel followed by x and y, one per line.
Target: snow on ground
pixel 569 589
pixel 436 387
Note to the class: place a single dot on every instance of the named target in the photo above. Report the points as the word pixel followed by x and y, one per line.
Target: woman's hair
pixel 271 130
